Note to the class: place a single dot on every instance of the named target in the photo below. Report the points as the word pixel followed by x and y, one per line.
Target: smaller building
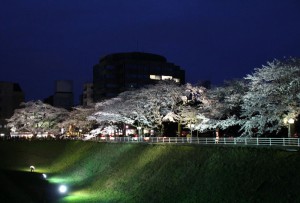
pixel 63 96
pixel 11 96
pixel 87 94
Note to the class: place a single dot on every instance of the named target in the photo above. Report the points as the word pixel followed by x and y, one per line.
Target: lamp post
pixel 139 130
pixel 191 126
pixel 126 127
pixel 290 122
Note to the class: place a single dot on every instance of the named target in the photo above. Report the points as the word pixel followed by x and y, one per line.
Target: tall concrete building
pixel 63 96
pixel 87 95
pixel 119 72
pixel 11 96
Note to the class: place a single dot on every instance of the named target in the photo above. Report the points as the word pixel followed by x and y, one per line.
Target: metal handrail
pixel 255 141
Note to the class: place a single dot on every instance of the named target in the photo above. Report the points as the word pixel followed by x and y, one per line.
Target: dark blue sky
pixel 46 40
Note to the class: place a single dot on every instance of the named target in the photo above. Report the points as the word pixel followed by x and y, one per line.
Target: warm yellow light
pixel 291 121
pixel 166 77
pixel 155 77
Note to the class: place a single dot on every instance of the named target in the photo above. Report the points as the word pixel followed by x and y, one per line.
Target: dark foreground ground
pixel 18 186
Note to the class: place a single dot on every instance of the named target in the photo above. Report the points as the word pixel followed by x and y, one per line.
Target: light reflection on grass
pixel 84 196
pixel 97 172
pixel 73 153
pixel 89 171
pixel 115 185
pixel 59 180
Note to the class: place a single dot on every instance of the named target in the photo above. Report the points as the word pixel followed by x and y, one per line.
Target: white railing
pixel 288 142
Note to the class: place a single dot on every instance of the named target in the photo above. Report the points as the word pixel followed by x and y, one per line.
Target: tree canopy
pixel 259 103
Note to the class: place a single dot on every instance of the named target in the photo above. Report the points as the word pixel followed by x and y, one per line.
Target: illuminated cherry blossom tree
pixel 36 116
pixel 77 122
pixel 273 96
pixel 144 107
pixel 223 106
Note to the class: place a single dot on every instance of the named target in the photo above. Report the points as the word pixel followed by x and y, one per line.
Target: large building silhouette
pixel 11 96
pixel 119 72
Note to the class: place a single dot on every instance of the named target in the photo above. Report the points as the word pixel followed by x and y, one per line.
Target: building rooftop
pixel 136 56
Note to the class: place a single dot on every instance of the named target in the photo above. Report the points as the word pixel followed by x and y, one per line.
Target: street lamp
pixel 139 130
pixel 290 122
pixel 126 128
pixel 191 126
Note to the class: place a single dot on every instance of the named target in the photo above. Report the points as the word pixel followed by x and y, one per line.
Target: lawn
pixel 107 172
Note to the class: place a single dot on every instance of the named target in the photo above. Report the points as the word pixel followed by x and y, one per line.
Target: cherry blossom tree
pixel 77 122
pixel 109 115
pixel 273 96
pixel 224 104
pixel 36 116
pixel 154 104
pixel 145 107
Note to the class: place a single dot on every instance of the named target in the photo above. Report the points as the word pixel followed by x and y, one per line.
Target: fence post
pixel 175 139
pixel 257 141
pixel 245 141
pixel 283 139
pixel 270 141
pixel 169 139
pixel 234 140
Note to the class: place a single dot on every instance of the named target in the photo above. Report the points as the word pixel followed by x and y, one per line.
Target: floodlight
pixel 62 189
pixel 44 175
pixel 32 168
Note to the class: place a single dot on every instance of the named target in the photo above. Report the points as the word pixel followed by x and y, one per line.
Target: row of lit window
pixel 164 77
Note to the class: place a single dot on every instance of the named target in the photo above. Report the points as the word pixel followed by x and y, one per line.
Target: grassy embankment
pixel 99 172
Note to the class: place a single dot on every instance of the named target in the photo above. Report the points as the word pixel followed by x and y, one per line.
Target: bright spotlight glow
pixel 291 121
pixel 32 168
pixel 44 175
pixel 62 189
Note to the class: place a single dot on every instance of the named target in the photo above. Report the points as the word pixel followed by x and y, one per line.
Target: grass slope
pixel 101 172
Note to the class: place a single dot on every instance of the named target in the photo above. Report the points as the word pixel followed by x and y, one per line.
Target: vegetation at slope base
pixel 107 172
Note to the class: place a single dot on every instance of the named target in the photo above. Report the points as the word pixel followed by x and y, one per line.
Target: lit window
pixel 164 77
pixel 176 80
pixel 155 77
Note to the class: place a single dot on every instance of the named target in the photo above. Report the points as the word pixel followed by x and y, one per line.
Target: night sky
pixel 46 40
